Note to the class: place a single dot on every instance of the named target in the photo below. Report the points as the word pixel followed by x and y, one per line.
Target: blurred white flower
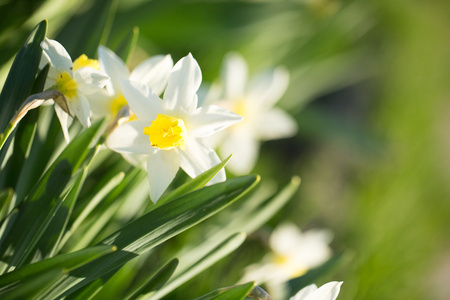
pixel 74 80
pixel 254 100
pixel 153 72
pixel 170 132
pixel 328 291
pixel 293 254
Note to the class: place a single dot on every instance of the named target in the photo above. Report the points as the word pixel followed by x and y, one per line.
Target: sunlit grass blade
pixel 154 228
pixel 237 292
pixel 194 184
pixel 156 282
pixel 226 247
pixel 87 29
pixel 5 202
pixel 23 139
pixel 99 196
pixel 30 287
pixel 49 242
pixel 126 46
pixel 21 77
pixel 45 198
pixel 66 261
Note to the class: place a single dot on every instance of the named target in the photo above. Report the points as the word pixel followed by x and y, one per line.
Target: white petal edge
pixel 57 55
pixel 141 99
pixel 90 80
pixel 328 291
pixel 79 107
pixel 207 120
pixel 184 81
pixel 65 120
pixel 266 88
pixel 162 166
pixel 274 124
pixel 154 72
pixel 114 67
pixel 130 138
pixel 304 292
pixel 245 150
pixel 234 74
pixel 198 158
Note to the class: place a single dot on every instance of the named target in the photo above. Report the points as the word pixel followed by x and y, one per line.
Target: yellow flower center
pixel 285 261
pixel 240 108
pixel 166 132
pixel 84 61
pixel 117 104
pixel 66 85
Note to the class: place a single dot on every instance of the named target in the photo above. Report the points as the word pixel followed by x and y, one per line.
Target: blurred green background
pixel 370 92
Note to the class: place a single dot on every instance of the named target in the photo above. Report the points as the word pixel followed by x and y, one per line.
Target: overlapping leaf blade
pixel 154 228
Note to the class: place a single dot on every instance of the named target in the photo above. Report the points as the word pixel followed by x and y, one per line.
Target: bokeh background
pixel 370 93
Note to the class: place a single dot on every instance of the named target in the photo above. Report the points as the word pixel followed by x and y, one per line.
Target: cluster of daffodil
pixel 164 134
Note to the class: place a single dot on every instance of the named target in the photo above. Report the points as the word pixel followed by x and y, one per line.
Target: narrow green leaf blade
pixel 6 197
pixel 237 292
pixel 21 77
pixel 45 198
pixel 226 247
pixel 126 47
pixel 194 184
pixel 156 227
pixel 66 261
pixel 157 281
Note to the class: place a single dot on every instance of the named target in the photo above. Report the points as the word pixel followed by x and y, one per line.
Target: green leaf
pixel 6 197
pixel 157 281
pixel 226 247
pixel 48 134
pixel 45 199
pixel 21 77
pixel 154 228
pixel 24 134
pixel 87 29
pixel 50 240
pixel 126 47
pixel 28 288
pixel 237 292
pixel 66 261
pixel 194 184
pixel 312 275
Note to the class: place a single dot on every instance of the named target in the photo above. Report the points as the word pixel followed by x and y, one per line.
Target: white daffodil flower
pixel 170 131
pixel 255 101
pixel 153 72
pixel 328 291
pixel 293 254
pixel 74 80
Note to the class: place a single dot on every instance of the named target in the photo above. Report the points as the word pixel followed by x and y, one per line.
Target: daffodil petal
pixel 328 291
pixel 57 55
pixel 184 81
pixel 198 158
pixel 275 124
pixel 137 160
pixel 65 121
pixel 245 150
pixel 207 120
pixel 304 292
pixel 162 166
pixel 100 103
pixel 112 65
pixel 90 80
pixel 284 239
pixel 266 88
pixel 141 99
pixel 234 74
pixel 130 138
pixel 154 72
pixel 80 108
